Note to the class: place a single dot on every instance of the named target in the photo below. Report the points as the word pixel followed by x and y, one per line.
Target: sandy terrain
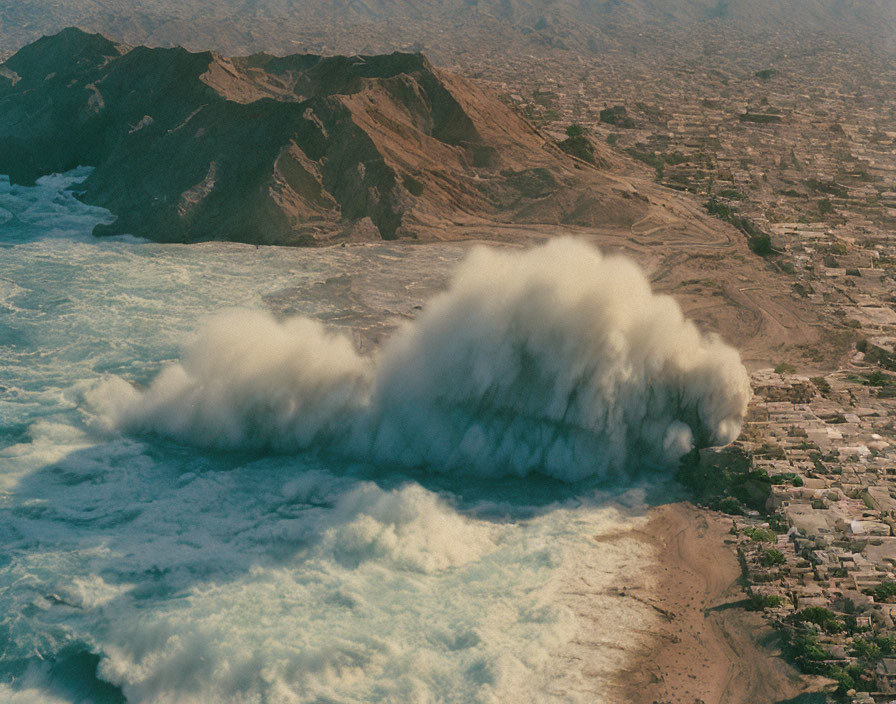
pixel 706 265
pixel 705 647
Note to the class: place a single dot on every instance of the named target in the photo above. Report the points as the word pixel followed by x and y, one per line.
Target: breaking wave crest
pixel 557 359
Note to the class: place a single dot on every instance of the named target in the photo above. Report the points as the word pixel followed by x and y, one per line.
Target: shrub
pixel 758 241
pixel 787 267
pixel 760 535
pixel 872 648
pixel 803 649
pixel 886 643
pixel 771 557
pixel 760 244
pixel 878 378
pixel 580 147
pixel 837 248
pixel 758 602
pixel 883 591
pixel 715 207
pixel 761 118
pixel 821 384
pixel 788 478
pixel 821 617
pixel 866 649
pixel 844 680
pixel 728 505
pixel 617 115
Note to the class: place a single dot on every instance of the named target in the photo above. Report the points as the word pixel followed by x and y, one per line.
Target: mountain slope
pixel 295 150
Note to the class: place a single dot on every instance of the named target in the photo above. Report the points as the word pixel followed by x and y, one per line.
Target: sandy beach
pixel 705 647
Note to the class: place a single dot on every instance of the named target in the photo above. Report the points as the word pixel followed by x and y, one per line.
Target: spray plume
pixel 557 359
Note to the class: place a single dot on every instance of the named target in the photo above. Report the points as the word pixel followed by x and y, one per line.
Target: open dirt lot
pixel 706 647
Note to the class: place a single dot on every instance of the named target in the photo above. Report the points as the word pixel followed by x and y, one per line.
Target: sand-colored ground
pixel 708 268
pixel 705 648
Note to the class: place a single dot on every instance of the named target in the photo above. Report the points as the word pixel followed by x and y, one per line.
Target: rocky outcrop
pixel 289 150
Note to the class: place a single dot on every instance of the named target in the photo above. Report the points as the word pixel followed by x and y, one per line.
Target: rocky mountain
pixel 295 150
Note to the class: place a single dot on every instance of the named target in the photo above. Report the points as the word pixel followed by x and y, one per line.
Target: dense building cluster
pixel 820 559
pixel 794 145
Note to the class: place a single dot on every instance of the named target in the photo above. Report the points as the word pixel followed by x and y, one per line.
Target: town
pixel 797 149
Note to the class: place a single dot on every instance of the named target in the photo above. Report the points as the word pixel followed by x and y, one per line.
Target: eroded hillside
pixel 290 150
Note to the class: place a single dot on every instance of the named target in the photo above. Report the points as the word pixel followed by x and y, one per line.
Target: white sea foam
pixel 382 607
pixel 408 528
pixel 558 360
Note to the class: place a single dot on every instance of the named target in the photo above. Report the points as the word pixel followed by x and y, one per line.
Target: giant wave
pixel 557 359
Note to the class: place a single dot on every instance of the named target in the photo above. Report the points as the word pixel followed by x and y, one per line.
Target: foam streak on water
pixel 138 569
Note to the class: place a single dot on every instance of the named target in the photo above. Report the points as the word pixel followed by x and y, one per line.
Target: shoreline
pixel 704 646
